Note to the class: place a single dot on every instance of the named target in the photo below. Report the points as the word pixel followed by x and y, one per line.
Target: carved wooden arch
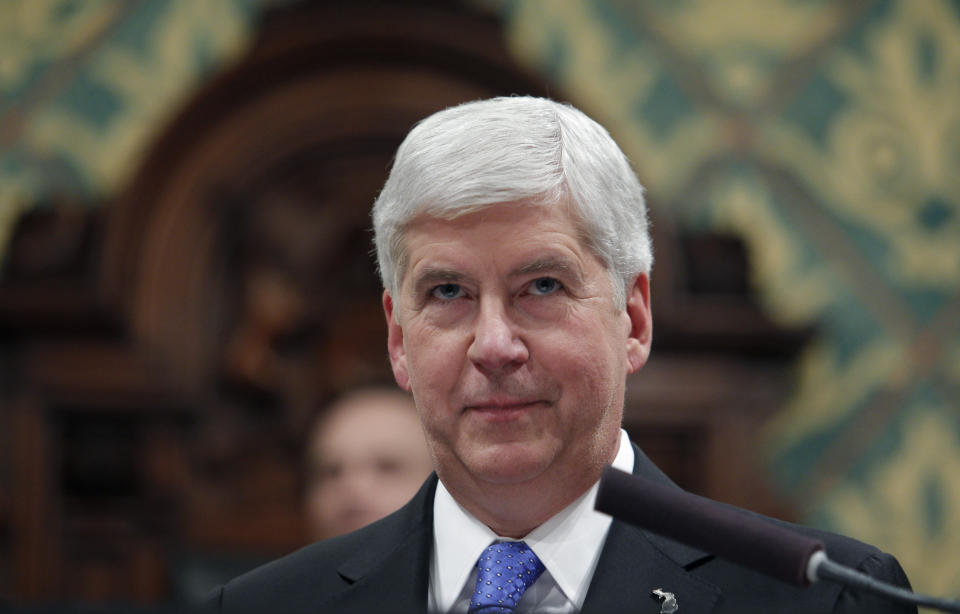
pixel 295 140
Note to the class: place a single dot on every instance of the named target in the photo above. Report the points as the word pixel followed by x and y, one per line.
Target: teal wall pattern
pixel 827 135
pixel 85 86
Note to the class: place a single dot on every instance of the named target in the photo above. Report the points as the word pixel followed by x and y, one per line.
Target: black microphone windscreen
pixel 707 525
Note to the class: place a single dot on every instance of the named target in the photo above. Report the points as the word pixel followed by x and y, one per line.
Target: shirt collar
pixel 568 544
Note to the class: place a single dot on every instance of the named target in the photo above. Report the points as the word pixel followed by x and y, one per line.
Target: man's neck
pixel 515 509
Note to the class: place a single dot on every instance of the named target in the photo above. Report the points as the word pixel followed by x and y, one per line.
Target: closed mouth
pixel 502 406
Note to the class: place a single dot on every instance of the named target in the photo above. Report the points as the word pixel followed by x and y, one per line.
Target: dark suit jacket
pixel 385 568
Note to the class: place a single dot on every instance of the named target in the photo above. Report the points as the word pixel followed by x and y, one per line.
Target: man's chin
pixel 513 463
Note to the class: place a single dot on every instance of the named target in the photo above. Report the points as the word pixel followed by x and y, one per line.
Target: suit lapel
pixel 633 562
pixel 393 574
pixel 631 566
pixel 395 569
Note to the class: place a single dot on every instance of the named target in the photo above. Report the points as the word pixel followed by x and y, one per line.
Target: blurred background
pixel 185 269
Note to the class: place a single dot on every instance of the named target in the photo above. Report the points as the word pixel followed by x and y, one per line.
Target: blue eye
pixel 544 285
pixel 447 291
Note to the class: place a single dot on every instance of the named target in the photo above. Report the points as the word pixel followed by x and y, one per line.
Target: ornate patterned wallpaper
pixel 84 86
pixel 827 134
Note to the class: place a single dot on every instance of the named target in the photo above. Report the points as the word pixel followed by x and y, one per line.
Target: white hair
pixel 523 151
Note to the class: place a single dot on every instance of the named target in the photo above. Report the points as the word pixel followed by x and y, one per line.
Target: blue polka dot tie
pixel 504 571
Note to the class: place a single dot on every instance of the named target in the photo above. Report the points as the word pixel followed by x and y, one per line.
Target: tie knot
pixel 505 571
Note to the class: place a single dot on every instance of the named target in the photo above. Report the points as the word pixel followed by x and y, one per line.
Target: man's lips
pixel 496 406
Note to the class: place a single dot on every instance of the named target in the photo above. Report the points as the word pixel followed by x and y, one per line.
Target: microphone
pixel 737 536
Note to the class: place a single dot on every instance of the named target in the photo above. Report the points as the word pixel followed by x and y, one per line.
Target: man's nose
pixel 496 341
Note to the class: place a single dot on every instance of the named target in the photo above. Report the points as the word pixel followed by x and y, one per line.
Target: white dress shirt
pixel 568 545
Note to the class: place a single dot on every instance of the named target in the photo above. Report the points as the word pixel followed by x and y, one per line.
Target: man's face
pixel 365 459
pixel 504 327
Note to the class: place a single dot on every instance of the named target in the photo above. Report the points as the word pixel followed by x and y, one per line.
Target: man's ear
pixel 398 355
pixel 641 323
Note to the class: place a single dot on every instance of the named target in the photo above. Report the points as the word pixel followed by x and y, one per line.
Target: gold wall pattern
pixel 85 86
pixel 827 135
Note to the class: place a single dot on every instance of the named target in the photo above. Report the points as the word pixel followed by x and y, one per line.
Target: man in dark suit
pixel 513 245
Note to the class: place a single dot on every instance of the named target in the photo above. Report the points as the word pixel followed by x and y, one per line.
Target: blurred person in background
pixel 365 457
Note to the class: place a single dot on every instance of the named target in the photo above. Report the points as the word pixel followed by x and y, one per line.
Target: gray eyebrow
pixel 436 275
pixel 549 264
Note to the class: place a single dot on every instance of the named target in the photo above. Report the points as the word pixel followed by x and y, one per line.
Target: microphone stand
pixel 822 568
pixel 729 533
